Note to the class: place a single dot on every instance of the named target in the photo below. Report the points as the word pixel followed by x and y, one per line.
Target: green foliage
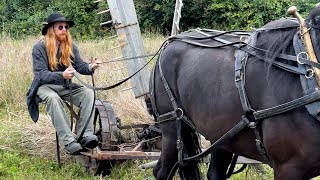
pixel 20 17
pixel 158 15
pixel 24 17
pixel 243 14
pixel 83 13
pixel 155 15
pixel 216 14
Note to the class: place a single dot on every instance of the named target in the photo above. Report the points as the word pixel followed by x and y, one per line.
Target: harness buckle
pixel 260 147
pixel 179 113
pixel 238 79
pixel 243 38
pixel 309 73
pixel 238 76
pixel 178 144
pixel 298 59
pixel 252 125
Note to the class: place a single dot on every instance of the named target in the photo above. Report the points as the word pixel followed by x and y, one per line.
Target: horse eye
pixel 317 20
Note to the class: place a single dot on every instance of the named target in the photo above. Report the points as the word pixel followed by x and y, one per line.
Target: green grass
pixel 254 172
pixel 15 165
pixel 129 170
pixel 8 132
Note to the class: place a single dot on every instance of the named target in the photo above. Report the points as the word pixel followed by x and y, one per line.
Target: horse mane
pixel 281 32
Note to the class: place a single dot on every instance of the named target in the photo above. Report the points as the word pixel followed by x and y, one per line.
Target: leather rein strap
pixel 124 80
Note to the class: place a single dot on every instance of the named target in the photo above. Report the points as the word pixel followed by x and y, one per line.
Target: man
pixel 55 60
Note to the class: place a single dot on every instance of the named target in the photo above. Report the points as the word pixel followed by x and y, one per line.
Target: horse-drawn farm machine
pixel 118 141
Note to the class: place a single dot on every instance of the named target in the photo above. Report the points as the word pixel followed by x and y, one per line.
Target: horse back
pixel 202 81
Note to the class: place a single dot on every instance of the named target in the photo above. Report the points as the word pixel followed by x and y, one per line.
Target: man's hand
pixel 68 73
pixel 94 63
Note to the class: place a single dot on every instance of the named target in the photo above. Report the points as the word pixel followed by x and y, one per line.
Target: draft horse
pixel 255 95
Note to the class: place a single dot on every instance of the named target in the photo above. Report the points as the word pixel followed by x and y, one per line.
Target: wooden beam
pixel 125 20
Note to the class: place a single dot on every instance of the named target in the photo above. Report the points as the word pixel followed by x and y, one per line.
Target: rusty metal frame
pixel 108 124
pixel 123 155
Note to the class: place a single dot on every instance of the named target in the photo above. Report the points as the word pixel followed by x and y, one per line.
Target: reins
pixel 125 59
pixel 122 81
pixel 72 115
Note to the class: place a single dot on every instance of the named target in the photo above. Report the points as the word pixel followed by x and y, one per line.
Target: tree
pixel 21 18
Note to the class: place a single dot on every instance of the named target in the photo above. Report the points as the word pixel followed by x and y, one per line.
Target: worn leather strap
pixel 306 99
pixel 233 131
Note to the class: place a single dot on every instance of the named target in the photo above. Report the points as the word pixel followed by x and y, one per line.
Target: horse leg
pixel 168 156
pixel 219 163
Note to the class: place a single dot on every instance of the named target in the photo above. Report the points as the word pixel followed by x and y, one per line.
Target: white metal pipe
pixel 105 11
pixel 148 165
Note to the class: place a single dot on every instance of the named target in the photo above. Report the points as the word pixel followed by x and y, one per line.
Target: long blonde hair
pixel 65 46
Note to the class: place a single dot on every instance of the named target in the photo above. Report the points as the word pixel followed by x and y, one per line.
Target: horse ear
pixel 316 20
pixel 314 16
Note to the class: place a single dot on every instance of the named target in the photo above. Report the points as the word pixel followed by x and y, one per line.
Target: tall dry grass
pixel 16 76
pixel 16 71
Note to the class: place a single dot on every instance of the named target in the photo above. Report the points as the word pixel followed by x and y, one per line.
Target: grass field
pixel 27 149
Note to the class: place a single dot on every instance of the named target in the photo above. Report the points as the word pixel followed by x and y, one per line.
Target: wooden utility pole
pixel 125 21
pixel 176 18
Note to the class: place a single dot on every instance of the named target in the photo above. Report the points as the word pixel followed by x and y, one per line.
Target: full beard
pixel 62 38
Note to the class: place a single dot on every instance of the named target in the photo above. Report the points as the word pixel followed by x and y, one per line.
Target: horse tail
pixel 191 147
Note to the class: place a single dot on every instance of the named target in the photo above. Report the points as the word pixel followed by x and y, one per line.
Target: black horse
pixel 202 82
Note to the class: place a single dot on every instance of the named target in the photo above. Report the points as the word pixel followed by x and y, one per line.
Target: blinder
pixel 313 25
pixel 315 38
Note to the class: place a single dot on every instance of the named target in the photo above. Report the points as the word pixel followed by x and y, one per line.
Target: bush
pixel 21 18
pixel 216 14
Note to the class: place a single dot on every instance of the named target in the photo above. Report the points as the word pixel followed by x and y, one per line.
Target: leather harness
pixel 244 50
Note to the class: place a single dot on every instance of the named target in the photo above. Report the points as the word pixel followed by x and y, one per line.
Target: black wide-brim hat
pixel 52 18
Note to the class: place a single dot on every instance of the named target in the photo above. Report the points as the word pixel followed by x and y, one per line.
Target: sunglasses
pixel 66 27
